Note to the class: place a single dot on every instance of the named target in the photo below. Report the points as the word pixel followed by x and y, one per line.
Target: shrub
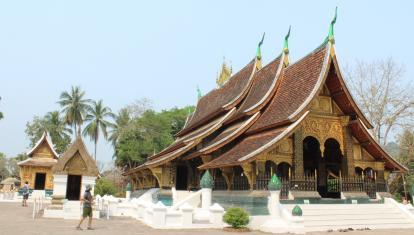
pixel 236 217
pixel 104 186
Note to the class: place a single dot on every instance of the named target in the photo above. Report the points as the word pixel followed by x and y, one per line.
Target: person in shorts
pixel 25 193
pixel 87 201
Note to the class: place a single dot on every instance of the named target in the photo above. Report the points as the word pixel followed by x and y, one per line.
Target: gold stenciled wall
pixel 42 154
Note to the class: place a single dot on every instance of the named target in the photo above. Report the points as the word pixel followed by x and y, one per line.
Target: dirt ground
pixel 15 220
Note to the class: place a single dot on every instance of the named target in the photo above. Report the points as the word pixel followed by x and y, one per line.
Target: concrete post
pixel 158 217
pixel 217 213
pixel 206 198
pixel 187 211
pixel 274 204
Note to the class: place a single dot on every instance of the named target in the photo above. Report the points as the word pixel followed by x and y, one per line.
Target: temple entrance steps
pixel 323 217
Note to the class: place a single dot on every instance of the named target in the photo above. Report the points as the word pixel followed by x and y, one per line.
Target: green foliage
pixel 146 134
pixel 104 187
pixel 122 120
pixel 4 173
pixel 236 217
pixel 1 114
pixel 55 125
pixel 74 106
pixel 9 167
pixel 97 116
pixel 398 197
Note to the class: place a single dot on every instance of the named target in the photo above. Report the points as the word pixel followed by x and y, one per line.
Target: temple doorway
pixel 332 158
pixel 73 187
pixel 182 178
pixel 283 171
pixel 325 167
pixel 312 162
pixel 40 181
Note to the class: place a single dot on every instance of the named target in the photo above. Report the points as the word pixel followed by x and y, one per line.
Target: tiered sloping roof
pixel 41 161
pixel 222 99
pixel 266 107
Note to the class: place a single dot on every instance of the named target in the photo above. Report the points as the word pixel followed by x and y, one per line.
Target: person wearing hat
pixel 87 201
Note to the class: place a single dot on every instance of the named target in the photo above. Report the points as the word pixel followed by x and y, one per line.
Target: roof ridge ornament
pixel 259 53
pixel 199 95
pixel 286 48
pixel 286 43
pixel 331 36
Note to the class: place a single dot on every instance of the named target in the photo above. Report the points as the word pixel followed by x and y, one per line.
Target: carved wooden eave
pixel 361 132
pixel 189 143
pixel 285 134
pixel 76 160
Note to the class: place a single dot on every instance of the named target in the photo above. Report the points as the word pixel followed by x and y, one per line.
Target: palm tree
pixel 74 107
pixel 121 121
pixel 56 124
pixel 97 115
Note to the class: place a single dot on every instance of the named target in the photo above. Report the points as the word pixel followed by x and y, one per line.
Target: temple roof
pixel 187 142
pixel 364 136
pixel 228 134
pixel 266 104
pixel 44 139
pixel 297 87
pixel 44 162
pixel 221 99
pixel 76 156
pixel 264 83
pixel 252 145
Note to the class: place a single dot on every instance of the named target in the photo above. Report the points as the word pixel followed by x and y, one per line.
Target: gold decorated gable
pixel 43 151
pixel 76 165
pixel 323 128
pixel 280 152
pixel 76 160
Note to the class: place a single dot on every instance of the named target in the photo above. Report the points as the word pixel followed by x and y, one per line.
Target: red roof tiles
pixel 225 97
pixel 296 85
pixel 243 148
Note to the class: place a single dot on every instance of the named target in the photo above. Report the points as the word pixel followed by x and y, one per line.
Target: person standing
pixel 87 201
pixel 25 193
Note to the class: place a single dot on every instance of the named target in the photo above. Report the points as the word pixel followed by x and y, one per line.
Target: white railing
pixel 193 199
pixel 38 206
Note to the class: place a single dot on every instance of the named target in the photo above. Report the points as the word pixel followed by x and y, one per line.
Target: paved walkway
pixel 15 220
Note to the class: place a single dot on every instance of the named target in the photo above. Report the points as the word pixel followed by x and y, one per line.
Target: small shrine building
pixel 74 170
pixel 37 168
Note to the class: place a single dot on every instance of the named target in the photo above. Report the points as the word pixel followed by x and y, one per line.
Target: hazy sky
pixel 120 51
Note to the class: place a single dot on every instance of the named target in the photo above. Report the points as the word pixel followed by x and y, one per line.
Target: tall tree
pixel 4 173
pixel 384 96
pixel 147 134
pixel 122 119
pixel 55 125
pixel 1 114
pixel 97 116
pixel 74 107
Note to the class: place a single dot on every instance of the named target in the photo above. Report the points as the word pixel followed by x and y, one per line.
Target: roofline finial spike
pixel 331 36
pixel 198 93
pixel 259 52
pixel 286 43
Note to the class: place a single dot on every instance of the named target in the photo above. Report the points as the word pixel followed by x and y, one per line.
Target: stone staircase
pixel 323 217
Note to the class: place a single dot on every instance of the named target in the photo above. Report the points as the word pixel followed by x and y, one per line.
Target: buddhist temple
pixel 74 170
pixel 295 119
pixel 37 168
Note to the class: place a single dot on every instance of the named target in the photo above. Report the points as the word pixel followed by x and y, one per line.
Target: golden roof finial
pixel 225 74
